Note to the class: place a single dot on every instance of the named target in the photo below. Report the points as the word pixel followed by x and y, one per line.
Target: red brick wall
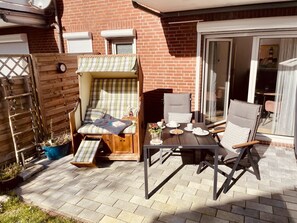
pixel 167 51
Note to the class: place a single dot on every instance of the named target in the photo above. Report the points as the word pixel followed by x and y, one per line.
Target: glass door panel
pixel 217 76
pixel 276 85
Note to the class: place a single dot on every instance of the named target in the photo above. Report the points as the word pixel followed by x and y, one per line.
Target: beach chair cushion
pixel 92 114
pixel 93 129
pixel 86 152
pixel 116 96
pixel 234 135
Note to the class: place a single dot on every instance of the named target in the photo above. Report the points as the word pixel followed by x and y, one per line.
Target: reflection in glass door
pixel 276 85
pixel 217 77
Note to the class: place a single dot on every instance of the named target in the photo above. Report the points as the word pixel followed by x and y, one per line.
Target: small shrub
pixel 9 171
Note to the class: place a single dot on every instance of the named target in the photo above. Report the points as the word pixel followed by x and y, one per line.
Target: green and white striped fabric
pixel 114 96
pixel 93 129
pixel 86 151
pixel 107 63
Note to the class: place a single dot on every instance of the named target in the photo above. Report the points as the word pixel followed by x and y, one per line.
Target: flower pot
pixel 56 152
pixel 156 136
pixel 9 184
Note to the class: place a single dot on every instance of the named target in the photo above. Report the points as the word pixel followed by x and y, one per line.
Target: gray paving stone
pixel 107 219
pixel 211 219
pixel 285 212
pixel 273 218
pixel 108 210
pixel 259 207
pixel 245 211
pixel 189 215
pixel 291 206
pixel 230 216
pixel 90 216
pixel 272 202
pixel 162 207
pixel 126 206
pixel 253 220
pixel 130 217
pixel 171 218
pixel 116 189
pixel 52 203
pixel 142 201
pixel 105 199
pixel 88 204
pixel 147 212
pixel 71 209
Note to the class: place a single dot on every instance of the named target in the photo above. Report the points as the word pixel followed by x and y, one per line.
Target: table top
pixel 187 140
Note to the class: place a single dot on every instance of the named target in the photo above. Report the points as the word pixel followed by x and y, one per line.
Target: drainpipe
pixel 57 25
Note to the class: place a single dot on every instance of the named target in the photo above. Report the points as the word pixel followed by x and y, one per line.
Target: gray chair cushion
pixel 180 117
pixel 177 103
pixel 234 135
pixel 246 115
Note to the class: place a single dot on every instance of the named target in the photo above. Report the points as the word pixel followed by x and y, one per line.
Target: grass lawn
pixel 14 210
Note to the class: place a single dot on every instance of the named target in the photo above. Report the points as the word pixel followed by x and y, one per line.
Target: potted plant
pixel 155 131
pixel 56 146
pixel 9 178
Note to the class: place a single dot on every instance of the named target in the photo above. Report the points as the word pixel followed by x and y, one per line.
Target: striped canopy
pixel 107 63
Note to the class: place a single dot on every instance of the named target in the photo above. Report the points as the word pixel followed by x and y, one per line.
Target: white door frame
pixel 240 27
pixel 227 87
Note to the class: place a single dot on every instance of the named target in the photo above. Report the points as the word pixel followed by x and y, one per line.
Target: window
pixel 122 47
pixel 14 44
pixel 79 42
pixel 120 41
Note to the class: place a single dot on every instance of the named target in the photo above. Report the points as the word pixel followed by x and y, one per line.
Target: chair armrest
pixel 215 131
pixel 246 144
pixel 75 117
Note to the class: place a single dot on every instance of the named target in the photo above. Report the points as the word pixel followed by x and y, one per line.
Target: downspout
pixel 57 25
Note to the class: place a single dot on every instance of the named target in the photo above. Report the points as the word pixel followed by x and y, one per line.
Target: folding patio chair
pixel 177 107
pixel 237 141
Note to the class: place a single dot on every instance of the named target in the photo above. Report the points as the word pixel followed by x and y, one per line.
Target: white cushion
pixel 180 117
pixel 234 135
pixel 92 114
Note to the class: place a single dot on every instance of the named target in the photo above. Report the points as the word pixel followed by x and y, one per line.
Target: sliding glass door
pixel 275 86
pixel 217 79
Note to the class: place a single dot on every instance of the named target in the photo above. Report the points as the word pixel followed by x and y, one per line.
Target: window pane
pixel 217 81
pixel 124 48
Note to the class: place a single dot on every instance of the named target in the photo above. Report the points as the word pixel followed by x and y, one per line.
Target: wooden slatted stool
pixel 85 155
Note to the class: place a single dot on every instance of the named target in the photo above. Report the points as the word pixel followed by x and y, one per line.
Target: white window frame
pixel 116 42
pixel 79 42
pixel 118 36
pixel 257 27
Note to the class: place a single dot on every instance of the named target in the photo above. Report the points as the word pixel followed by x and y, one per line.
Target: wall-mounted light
pixel 61 68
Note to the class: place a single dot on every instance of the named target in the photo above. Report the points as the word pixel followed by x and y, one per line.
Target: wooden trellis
pixel 53 95
pixel 18 89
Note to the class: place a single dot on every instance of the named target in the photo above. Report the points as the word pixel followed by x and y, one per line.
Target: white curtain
pixel 283 123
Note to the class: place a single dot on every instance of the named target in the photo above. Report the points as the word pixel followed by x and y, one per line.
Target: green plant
pixel 14 210
pixel 9 171
pixel 154 128
pixel 57 140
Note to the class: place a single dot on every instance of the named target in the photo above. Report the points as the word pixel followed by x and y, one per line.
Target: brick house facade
pixel 167 49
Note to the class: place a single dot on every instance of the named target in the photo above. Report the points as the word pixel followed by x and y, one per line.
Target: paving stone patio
pixel 114 192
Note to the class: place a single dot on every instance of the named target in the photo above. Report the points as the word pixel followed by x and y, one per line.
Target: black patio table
pixel 187 140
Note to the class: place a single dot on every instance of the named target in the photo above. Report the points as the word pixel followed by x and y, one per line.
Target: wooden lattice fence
pixel 55 93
